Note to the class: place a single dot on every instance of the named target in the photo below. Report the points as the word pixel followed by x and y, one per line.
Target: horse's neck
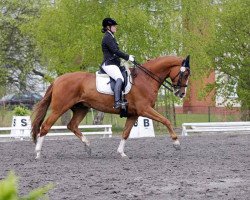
pixel 161 66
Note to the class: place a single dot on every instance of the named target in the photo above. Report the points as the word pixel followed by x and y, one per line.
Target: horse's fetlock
pixel 175 138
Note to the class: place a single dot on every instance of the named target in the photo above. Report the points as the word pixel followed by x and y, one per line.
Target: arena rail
pixel 98 130
pixel 215 127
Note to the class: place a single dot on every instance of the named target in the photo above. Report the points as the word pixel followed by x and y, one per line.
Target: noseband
pixel 171 86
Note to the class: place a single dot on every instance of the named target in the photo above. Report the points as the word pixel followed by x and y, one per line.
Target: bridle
pixel 181 75
pixel 171 87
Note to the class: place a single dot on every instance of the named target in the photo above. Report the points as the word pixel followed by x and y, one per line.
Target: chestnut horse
pixel 77 91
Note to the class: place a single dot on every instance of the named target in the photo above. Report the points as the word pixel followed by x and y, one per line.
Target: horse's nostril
pixel 182 94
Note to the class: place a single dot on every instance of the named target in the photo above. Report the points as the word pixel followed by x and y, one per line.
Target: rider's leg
pixel 114 72
pixel 117 93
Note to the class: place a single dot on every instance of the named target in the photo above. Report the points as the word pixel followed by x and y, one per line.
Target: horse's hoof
pixel 123 155
pixel 88 149
pixel 177 145
pixel 38 155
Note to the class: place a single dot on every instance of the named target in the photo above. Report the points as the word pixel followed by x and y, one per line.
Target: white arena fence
pixel 216 127
pixel 105 130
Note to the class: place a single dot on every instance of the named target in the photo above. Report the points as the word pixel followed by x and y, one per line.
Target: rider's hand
pixel 131 58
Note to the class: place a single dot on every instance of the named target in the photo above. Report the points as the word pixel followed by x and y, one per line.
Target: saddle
pixel 105 84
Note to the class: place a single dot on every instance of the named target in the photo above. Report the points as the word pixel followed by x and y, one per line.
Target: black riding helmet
pixel 108 22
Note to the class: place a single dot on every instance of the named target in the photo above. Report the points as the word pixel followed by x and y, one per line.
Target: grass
pixel 185 118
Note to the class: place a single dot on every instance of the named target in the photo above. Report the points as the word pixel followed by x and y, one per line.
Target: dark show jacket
pixel 111 52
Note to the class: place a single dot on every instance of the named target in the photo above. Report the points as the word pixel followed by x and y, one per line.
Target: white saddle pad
pixel 103 85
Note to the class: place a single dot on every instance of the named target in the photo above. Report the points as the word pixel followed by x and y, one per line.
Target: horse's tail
pixel 40 112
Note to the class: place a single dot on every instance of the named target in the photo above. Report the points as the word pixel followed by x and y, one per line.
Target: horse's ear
pixel 186 63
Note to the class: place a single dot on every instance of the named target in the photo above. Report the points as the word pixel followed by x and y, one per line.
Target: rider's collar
pixel 111 33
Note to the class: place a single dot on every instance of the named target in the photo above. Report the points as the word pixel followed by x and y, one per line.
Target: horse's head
pixel 179 76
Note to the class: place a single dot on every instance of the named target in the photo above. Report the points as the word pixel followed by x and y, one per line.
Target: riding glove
pixel 131 58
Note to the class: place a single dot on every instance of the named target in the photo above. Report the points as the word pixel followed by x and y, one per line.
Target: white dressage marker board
pixel 22 122
pixel 142 128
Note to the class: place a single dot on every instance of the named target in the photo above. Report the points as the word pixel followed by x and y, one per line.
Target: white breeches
pixel 113 71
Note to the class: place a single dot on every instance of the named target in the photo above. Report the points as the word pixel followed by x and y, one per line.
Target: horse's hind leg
pixel 79 112
pixel 45 127
pixel 126 131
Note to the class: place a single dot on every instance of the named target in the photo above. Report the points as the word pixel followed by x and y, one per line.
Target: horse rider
pixel 111 58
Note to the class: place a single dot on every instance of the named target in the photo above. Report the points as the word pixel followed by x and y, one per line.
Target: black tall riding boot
pixel 117 93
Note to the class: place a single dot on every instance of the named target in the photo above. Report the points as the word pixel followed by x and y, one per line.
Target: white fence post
pixel 216 127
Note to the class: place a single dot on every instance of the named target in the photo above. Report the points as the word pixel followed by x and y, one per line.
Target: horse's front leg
pixel 154 115
pixel 126 131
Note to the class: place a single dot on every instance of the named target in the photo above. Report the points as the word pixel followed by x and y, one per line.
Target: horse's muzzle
pixel 179 93
pixel 176 92
pixel 182 95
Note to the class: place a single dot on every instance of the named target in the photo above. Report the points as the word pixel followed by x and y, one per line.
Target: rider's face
pixel 113 28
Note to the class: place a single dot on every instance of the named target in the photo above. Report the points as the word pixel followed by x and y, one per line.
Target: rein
pixel 156 78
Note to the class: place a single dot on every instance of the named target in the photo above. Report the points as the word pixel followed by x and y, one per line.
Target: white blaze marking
pixel 183 69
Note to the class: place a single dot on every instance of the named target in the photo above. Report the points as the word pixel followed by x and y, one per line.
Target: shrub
pixel 8 190
pixel 21 111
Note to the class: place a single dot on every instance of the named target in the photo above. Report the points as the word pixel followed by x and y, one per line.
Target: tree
pixel 69 37
pixel 231 51
pixel 196 34
pixel 18 55
pixel 69 34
